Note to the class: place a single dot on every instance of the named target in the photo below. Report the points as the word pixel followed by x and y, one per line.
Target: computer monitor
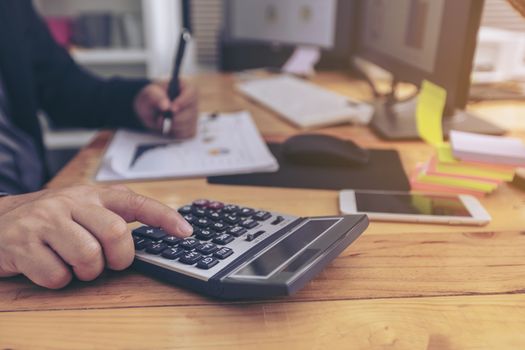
pixel 416 40
pixel 264 33
pixel 303 22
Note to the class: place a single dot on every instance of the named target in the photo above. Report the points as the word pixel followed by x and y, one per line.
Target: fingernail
pixel 186 228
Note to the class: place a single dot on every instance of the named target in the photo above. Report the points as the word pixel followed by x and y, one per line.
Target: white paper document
pixel 224 144
pixel 302 61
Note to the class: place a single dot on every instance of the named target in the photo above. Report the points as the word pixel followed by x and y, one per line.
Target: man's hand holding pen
pixel 153 101
pixel 170 108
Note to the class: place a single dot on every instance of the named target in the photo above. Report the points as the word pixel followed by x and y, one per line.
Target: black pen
pixel 174 84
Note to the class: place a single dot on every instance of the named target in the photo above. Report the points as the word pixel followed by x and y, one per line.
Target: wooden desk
pixel 399 286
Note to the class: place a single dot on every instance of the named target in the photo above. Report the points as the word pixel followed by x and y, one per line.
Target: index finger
pixel 135 207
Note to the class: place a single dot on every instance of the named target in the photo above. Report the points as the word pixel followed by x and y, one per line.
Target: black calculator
pixel 237 252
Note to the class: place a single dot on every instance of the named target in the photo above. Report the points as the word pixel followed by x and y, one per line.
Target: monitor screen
pixel 296 22
pixel 264 33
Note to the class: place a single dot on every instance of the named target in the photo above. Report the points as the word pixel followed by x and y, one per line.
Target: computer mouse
pixel 323 150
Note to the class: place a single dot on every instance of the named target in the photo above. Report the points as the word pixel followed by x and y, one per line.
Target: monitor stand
pixel 397 121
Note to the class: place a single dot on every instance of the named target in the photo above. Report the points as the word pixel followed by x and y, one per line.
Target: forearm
pixel 70 95
pixel 92 102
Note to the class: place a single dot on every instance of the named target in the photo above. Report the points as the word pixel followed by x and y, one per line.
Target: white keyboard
pixel 305 104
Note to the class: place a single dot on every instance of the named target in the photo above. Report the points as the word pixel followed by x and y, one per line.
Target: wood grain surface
pixel 399 286
pixel 474 322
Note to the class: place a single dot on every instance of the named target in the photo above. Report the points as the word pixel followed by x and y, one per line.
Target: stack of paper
pixel 224 144
pixel 472 163
pixel 484 148
pixel 445 173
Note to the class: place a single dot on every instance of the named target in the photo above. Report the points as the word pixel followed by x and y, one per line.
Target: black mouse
pixel 317 149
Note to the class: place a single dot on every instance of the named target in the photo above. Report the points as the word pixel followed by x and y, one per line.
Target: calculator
pixel 238 252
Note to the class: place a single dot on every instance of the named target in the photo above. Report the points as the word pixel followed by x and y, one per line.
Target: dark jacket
pixel 38 74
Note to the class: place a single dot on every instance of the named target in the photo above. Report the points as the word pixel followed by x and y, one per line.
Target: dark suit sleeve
pixel 70 95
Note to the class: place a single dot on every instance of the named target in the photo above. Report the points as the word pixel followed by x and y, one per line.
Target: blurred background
pixel 137 38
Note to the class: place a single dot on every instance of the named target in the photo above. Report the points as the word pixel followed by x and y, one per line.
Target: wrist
pixel 9 201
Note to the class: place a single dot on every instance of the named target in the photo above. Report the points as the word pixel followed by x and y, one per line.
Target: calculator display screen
pixel 276 256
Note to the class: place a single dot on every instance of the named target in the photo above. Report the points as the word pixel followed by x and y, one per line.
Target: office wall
pixel 500 14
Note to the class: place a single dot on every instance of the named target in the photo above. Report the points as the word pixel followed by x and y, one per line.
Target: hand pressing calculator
pixel 243 253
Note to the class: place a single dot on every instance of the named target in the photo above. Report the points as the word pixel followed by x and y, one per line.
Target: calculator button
pixel 218 226
pixel 223 239
pixel 231 219
pixel 230 209
pixel 171 240
pixel 207 263
pixel 215 216
pixel 185 210
pixel 190 218
pixel 204 234
pixel 261 215
pixel 150 232
pixel 172 253
pixel 201 203
pixel 246 212
pixel 277 220
pixel 156 248
pixel 199 212
pixel 236 231
pixel 251 236
pixel 202 222
pixel 215 205
pixel 189 243
pixel 141 243
pixel 190 258
pixel 206 248
pixel 249 223
pixel 223 253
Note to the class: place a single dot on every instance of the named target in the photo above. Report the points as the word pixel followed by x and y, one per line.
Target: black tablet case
pixel 384 171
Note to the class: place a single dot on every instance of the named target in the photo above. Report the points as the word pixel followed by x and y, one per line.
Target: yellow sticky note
pixel 451 181
pixel 429 113
pixel 473 171
pixel 445 155
pixel 448 164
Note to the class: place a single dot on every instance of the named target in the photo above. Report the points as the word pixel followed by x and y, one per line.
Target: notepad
pixel 445 163
pixel 444 172
pixel 486 148
pixel 224 144
pixel 421 185
pixel 458 182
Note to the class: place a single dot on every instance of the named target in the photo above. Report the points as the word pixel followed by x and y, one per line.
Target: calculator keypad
pixel 216 225
pixel 207 262
pixel 173 253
